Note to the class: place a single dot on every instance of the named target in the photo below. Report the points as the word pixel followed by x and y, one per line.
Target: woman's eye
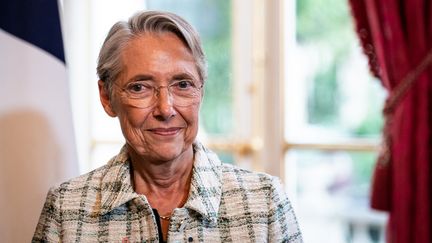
pixel 136 87
pixel 184 84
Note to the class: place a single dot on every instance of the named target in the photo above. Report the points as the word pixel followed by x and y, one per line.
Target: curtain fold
pixel 396 37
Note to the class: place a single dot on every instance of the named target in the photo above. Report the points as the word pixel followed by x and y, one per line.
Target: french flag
pixel 37 147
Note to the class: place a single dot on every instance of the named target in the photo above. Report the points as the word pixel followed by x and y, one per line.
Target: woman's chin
pixel 162 152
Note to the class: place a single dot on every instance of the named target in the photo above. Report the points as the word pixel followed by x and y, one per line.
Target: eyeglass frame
pixel 156 91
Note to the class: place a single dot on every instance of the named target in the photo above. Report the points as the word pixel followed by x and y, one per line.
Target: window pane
pixel 214 28
pixel 340 98
pixel 332 191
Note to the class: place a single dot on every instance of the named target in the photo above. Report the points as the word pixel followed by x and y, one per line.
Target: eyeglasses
pixel 143 94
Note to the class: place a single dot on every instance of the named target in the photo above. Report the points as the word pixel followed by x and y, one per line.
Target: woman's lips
pixel 165 131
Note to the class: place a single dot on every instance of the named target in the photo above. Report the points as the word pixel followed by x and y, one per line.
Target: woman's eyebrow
pixel 182 76
pixel 141 77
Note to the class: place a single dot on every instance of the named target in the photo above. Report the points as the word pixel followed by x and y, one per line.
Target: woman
pixel 163 185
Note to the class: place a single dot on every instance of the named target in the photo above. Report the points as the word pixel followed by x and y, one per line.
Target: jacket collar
pixel 116 186
pixel 206 187
pixel 205 190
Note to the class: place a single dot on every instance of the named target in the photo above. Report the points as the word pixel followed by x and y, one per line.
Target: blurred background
pixel 288 93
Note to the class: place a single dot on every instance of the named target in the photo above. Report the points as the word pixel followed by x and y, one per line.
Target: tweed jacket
pixel 225 204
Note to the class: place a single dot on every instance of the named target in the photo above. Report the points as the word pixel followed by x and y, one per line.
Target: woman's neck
pixel 162 180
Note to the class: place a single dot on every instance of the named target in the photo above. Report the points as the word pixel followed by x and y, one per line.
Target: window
pixel 333 126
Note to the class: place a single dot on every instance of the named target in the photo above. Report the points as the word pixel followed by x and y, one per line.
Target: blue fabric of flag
pixel 34 21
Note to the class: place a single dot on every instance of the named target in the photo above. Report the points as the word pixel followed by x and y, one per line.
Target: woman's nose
pixel 164 108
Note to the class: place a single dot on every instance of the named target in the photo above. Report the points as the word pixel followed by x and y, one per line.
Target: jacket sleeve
pixel 283 226
pixel 48 228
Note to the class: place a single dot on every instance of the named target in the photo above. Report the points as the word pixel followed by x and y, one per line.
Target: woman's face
pixel 162 131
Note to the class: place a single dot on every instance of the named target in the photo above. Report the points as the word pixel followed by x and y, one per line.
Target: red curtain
pixel 396 35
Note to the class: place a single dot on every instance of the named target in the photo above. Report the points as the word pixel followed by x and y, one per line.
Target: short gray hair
pixel 109 63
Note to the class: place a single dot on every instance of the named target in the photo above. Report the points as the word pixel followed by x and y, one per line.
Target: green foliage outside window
pixel 326 27
pixel 217 106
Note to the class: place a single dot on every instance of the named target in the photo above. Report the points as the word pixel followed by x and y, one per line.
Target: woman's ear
pixel 105 99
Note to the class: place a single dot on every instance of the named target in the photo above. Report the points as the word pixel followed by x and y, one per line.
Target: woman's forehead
pixel 158 55
pixel 157 42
